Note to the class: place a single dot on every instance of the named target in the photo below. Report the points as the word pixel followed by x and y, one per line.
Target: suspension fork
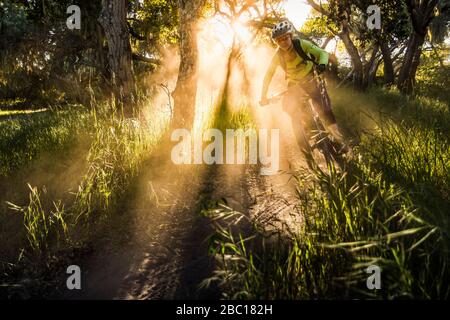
pixel 323 141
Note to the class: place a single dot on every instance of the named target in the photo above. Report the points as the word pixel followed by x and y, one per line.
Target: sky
pixel 297 11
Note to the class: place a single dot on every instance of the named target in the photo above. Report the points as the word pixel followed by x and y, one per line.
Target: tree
pixel 439 31
pixel 347 20
pixel 43 60
pixel 421 13
pixel 152 25
pixel 113 19
pixel 339 17
pixel 235 9
pixel 392 35
pixel 185 92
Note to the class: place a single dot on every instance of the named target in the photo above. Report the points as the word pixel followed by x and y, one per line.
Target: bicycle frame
pixel 322 141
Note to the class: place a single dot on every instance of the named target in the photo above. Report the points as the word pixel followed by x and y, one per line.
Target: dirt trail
pixel 162 253
pixel 157 248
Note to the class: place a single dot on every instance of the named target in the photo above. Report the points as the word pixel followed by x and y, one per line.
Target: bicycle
pixel 322 141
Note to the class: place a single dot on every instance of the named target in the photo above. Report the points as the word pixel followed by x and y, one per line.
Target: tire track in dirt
pixel 161 253
pixel 174 254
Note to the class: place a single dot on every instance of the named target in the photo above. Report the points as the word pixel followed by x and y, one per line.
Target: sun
pixel 297 11
pixel 224 31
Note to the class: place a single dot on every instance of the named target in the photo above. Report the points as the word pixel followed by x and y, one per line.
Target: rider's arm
pixel 269 75
pixel 320 54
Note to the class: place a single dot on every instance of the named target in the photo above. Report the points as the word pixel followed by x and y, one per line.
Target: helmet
pixel 282 28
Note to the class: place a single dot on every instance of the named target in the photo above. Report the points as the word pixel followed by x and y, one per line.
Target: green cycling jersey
pixel 296 69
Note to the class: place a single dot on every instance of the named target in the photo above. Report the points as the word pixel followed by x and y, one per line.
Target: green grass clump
pixel 350 222
pixel 115 158
pixel 43 229
pixel 26 136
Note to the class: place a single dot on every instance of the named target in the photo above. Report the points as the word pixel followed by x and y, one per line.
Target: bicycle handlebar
pixel 275 98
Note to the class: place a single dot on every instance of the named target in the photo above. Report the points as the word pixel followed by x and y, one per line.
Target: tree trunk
pixel 232 59
pixel 185 92
pixel 373 72
pixel 436 54
pixel 421 14
pixel 407 76
pixel 389 75
pixel 358 68
pixel 334 68
pixel 113 20
pixel 369 67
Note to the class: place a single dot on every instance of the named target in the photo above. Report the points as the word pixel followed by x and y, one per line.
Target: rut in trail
pixel 172 257
pixel 162 253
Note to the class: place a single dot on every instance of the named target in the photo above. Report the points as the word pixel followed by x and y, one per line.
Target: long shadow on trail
pixel 155 247
pixel 175 259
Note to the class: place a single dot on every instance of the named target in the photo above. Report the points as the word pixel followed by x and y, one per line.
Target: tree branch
pixel 318 7
pixel 134 33
pixel 138 57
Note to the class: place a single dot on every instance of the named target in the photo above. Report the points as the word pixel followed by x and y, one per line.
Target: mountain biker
pixel 297 57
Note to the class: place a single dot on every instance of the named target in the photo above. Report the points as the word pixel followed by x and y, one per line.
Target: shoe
pixel 344 148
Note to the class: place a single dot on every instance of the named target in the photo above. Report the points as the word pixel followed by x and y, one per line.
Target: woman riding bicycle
pixel 298 58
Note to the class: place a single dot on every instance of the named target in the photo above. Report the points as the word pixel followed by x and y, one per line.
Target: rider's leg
pixel 324 109
pixel 292 105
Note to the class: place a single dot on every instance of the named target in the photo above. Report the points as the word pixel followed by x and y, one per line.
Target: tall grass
pixel 224 118
pixel 43 229
pixel 118 149
pixel 26 136
pixel 117 152
pixel 388 208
